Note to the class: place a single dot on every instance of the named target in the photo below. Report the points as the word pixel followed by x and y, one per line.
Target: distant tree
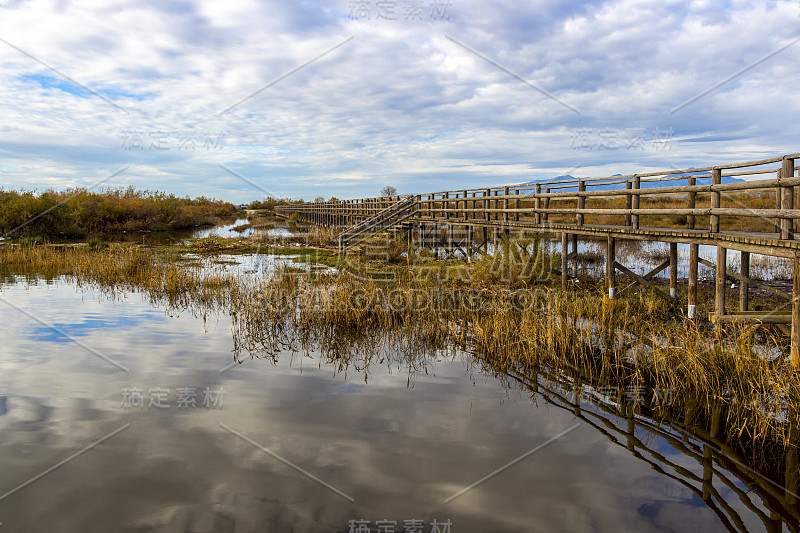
pixel 388 191
pixel 319 199
pixel 333 199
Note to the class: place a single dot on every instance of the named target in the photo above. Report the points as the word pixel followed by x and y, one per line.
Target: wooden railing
pixel 614 201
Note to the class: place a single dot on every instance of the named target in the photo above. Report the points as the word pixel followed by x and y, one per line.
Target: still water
pixel 119 416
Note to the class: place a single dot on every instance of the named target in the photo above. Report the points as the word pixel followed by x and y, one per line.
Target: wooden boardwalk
pixel 756 213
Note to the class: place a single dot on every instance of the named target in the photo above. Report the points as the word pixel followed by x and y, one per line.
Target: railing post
pixel 716 179
pixel 487 204
pixel 547 206
pixel 692 203
pixel 505 206
pixel 628 199
pixel 446 205
pixel 635 201
pixel 464 214
pixel 787 199
pixel 581 202
pixel 778 201
pixel 564 242
pixel 538 204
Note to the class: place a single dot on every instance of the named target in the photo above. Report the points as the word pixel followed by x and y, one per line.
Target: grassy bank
pixel 79 212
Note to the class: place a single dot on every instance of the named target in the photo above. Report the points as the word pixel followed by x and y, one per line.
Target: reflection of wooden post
pixel 631 427
pixel 792 473
pixel 719 310
pixel 611 281
pixel 564 241
pixel 795 350
pixel 708 471
pixel 691 310
pixel 673 270
pixel 744 287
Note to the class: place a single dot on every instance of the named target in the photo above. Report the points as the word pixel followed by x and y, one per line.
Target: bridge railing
pixel 691 199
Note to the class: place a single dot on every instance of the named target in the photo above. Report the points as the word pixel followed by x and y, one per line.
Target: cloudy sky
pixel 239 98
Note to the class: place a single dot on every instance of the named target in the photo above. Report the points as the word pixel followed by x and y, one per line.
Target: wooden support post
pixel 719 309
pixel 673 270
pixel 611 270
pixel 787 198
pixel 628 198
pixel 469 241
pixel 795 350
pixel 564 242
pixel 691 310
pixel 575 255
pixel 451 251
pixel 716 179
pixel 744 286
pixel 537 204
pixel 581 202
pixel 635 201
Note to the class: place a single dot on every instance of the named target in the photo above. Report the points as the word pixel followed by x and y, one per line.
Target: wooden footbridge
pixel 749 207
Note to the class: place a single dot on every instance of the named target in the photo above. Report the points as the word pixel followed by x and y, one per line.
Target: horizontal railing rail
pixel 691 193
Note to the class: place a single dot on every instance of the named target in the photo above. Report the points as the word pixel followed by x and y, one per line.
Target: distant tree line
pixel 79 212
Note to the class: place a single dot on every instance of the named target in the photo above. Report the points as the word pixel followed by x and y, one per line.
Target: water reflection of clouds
pixel 399 451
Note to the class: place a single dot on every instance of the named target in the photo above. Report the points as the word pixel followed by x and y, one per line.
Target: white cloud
pixel 400 103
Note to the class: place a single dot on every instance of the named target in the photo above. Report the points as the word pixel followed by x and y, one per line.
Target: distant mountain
pixel 680 179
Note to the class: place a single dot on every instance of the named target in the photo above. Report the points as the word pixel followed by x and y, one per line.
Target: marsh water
pixel 116 415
